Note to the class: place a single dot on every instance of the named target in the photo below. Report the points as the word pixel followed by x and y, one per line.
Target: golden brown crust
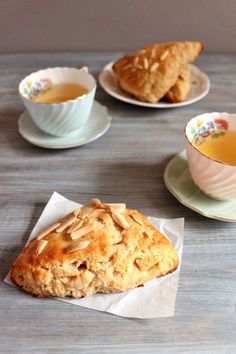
pixel 149 73
pixel 180 90
pixel 104 255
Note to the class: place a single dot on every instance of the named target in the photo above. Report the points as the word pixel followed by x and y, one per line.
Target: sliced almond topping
pixel 66 223
pixel 127 66
pixel 67 217
pixel 136 60
pixel 81 232
pixel 164 55
pixel 141 51
pixel 148 232
pixel 138 66
pixel 120 220
pixel 40 246
pixel 77 211
pixel 145 63
pixel 105 218
pixel 97 203
pixel 48 230
pixel 75 226
pixel 117 207
pixel 78 246
pixel 154 67
pixel 153 53
pixel 137 219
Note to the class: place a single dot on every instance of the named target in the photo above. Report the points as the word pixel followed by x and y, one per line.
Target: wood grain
pixel 125 165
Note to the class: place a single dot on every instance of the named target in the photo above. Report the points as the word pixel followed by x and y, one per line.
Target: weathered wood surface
pixel 127 165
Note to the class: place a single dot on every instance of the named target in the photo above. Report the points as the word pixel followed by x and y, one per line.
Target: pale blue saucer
pixel 98 123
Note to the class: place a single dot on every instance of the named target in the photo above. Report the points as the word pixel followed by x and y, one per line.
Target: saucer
pixel 200 85
pixel 98 123
pixel 179 182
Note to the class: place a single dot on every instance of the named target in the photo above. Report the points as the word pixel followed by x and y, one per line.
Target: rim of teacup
pixel 211 114
pixel 82 69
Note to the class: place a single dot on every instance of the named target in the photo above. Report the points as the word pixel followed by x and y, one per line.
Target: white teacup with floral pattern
pixel 62 118
pixel 215 178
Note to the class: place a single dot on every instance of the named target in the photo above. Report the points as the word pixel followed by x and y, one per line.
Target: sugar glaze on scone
pixel 99 248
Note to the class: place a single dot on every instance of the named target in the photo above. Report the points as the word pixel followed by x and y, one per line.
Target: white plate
pixel 179 182
pixel 200 85
pixel 97 125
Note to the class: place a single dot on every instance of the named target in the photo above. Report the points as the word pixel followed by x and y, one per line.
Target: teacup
pixel 214 175
pixel 61 118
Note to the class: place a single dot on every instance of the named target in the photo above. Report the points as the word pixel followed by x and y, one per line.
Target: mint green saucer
pixel 179 182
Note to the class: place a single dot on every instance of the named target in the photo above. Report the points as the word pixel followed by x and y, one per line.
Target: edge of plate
pixel 133 101
pixel 67 146
pixel 168 186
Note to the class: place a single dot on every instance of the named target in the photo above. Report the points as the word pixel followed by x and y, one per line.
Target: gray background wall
pixel 76 25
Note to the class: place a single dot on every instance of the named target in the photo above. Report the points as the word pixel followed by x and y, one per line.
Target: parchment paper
pixel 155 299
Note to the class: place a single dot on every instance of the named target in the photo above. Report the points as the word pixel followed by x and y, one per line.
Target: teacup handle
pixel 84 68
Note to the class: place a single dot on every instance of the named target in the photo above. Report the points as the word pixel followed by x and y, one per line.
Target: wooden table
pixel 127 165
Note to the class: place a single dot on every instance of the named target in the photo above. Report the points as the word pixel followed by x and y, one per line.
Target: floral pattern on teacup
pixel 203 130
pixel 32 89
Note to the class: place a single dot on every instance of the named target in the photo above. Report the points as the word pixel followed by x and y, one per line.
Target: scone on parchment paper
pixel 101 248
pixel 151 72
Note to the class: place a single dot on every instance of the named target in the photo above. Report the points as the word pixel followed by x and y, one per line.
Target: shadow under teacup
pixel 55 115
pixel 211 153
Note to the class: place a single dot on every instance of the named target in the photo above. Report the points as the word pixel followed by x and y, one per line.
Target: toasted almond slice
pixel 139 66
pixel 127 66
pixel 75 226
pixel 137 219
pixel 120 220
pixel 136 60
pixel 164 55
pixel 66 223
pixel 81 232
pixel 48 230
pixel 148 232
pixel 153 53
pixel 105 218
pixel 40 246
pixel 97 203
pixel 66 217
pixel 154 67
pixel 117 207
pixel 78 246
pixel 141 51
pixel 145 63
pixel 77 211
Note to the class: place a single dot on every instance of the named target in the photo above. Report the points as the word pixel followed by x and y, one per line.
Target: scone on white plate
pixel 149 73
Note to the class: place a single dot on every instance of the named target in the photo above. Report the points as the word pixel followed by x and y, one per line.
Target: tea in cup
pixel 211 152
pixel 59 100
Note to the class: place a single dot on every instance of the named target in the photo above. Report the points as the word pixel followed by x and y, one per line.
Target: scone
pixel 149 73
pixel 180 90
pixel 99 248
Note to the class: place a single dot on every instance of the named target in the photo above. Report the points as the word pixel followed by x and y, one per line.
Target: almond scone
pixel 180 90
pixel 99 248
pixel 149 73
